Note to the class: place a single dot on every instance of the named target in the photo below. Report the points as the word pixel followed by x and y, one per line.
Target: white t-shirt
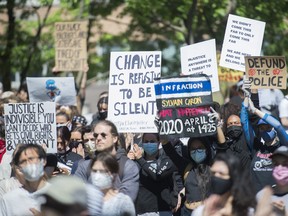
pixel 18 202
pixel 269 97
pixel 7 185
pixel 283 109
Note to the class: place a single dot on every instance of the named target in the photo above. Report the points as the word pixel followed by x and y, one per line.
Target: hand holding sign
pixel 246 87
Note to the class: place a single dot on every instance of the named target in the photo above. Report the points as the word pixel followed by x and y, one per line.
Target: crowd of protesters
pixel 241 170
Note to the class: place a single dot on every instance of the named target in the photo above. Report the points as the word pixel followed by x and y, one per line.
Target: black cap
pixel 282 150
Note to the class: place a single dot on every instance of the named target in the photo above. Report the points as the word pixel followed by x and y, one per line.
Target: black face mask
pixel 220 186
pixel 233 132
pixel 74 144
pixel 103 115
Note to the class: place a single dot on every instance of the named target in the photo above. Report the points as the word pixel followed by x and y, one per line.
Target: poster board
pixel 54 89
pixel 183 105
pixel 132 105
pixel 268 72
pixel 28 123
pixel 243 37
pixel 200 58
pixel 70 45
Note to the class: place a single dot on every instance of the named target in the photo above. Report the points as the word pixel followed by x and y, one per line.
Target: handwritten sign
pixel 54 89
pixel 183 105
pixel 266 71
pixel 132 105
pixel 243 37
pixel 200 58
pixel 27 123
pixel 70 46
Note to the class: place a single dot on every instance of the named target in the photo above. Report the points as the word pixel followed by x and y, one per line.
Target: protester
pixel 104 171
pixel 195 170
pixel 66 157
pixel 155 195
pixel 234 140
pixel 231 191
pixel 62 119
pixel 30 160
pixel 102 106
pixel 273 135
pixel 76 143
pixel 279 198
pixel 106 139
pixel 78 121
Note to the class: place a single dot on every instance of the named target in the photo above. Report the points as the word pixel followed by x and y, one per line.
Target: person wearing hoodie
pixel 107 139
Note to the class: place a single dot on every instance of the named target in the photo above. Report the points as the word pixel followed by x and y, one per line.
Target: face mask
pixel 280 174
pixel 103 115
pixel 90 145
pixel 268 136
pixel 33 172
pixel 198 155
pixel 233 132
pixel 220 186
pixel 101 180
pixel 74 144
pixel 150 148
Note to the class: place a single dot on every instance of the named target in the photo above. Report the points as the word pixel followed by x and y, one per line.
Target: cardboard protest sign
pixel 183 105
pixel 70 45
pixel 243 37
pixel 200 58
pixel 28 123
pixel 54 89
pixel 132 105
pixel 266 71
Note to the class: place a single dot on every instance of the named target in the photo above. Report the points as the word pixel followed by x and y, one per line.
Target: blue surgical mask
pixel 198 155
pixel 150 148
pixel 268 136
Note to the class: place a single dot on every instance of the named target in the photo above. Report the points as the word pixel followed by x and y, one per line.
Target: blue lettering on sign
pixel 182 87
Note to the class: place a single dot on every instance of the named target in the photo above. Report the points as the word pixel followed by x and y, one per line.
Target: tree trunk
pixel 189 39
pixel 6 57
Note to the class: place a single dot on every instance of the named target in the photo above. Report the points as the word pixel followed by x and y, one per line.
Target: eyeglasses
pixel 103 135
pixel 30 160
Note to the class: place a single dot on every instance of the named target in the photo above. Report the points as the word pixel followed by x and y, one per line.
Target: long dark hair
pixel 202 169
pixel 64 134
pixel 242 188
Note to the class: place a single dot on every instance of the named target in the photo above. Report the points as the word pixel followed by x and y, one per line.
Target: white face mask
pixel 101 180
pixel 33 172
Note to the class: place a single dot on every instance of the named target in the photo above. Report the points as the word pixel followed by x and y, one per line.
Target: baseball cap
pixel 282 150
pixel 67 190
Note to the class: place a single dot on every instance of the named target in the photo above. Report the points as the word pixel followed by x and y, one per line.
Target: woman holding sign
pixel 195 171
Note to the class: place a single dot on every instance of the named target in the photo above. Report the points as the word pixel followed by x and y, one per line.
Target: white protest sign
pixel 200 58
pixel 28 123
pixel 54 89
pixel 243 37
pixel 132 104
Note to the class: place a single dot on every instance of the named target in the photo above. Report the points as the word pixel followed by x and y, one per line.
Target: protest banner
pixel 54 89
pixel 70 45
pixel 132 105
pixel 27 123
pixel 183 105
pixel 243 37
pixel 266 72
pixel 200 58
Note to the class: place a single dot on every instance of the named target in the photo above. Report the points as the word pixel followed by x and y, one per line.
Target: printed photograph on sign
pixel 200 58
pixel 27 123
pixel 183 105
pixel 54 89
pixel 266 72
pixel 70 45
pixel 132 105
pixel 243 37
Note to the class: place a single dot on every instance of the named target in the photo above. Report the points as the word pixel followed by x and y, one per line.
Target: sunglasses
pixel 103 135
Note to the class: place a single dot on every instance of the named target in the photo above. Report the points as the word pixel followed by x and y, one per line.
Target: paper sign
pixel 266 72
pixel 54 89
pixel 200 58
pixel 183 105
pixel 243 37
pixel 70 46
pixel 132 105
pixel 30 123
